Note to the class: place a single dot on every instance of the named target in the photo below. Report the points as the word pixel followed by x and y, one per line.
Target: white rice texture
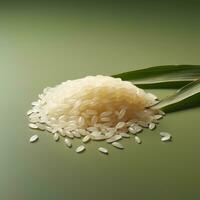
pixel 97 105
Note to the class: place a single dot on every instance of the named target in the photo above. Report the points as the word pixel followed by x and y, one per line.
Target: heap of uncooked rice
pixel 98 106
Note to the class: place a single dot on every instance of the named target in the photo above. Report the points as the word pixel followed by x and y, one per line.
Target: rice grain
pixel 120 125
pixel 69 134
pixel 80 149
pixel 125 135
pixel 56 137
pixel 118 145
pixel 103 150
pixel 152 126
pixel 114 138
pixel 33 126
pixel 33 138
pixel 138 140
pixel 86 138
pixel 68 143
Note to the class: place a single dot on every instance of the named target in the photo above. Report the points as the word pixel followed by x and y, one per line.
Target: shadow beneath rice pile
pixel 99 107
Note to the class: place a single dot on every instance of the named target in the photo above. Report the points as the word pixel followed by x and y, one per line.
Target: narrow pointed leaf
pixel 188 95
pixel 162 76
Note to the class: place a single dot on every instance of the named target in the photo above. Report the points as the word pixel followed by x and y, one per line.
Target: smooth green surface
pixel 44 46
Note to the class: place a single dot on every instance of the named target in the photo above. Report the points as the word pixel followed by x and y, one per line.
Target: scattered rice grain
pixel 125 135
pixel 68 143
pixel 33 138
pixel 114 138
pixel 86 138
pixel 103 150
pixel 152 126
pixel 143 124
pixel 118 145
pixel 165 139
pixel 80 149
pixel 56 137
pixel 69 134
pixel 41 127
pixel 76 134
pixel 83 132
pixel 135 129
pixel 29 112
pixel 92 129
pixel 165 136
pixel 138 140
pixel 33 126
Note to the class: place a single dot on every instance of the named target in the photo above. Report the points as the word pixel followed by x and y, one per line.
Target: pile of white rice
pixel 98 106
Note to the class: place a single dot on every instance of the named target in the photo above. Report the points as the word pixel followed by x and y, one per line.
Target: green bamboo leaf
pixel 162 76
pixel 188 96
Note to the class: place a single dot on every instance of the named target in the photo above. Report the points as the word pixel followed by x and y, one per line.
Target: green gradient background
pixel 43 46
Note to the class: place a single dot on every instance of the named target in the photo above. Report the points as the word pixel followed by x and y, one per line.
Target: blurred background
pixel 43 44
